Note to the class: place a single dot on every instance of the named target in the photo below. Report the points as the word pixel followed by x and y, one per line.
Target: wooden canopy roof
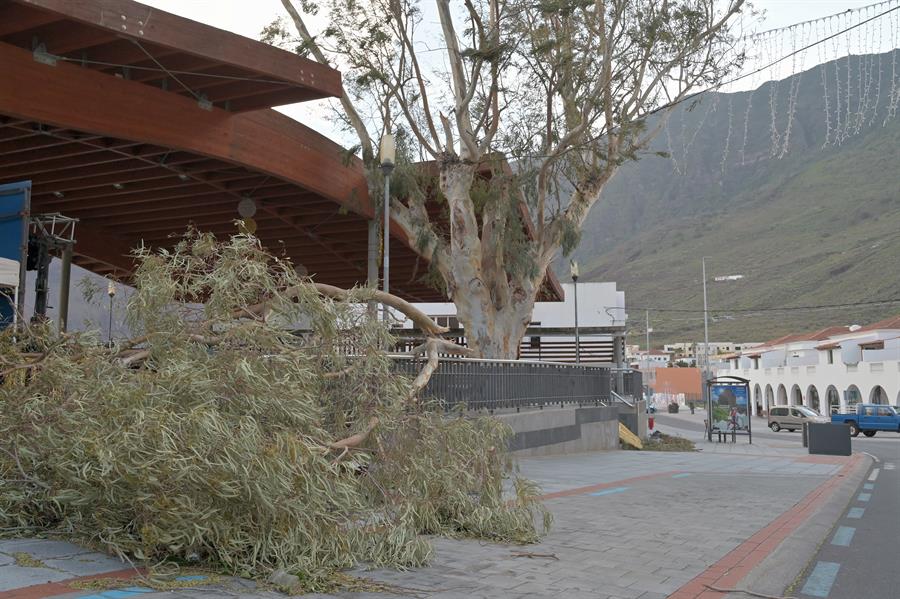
pixel 159 49
pixel 140 123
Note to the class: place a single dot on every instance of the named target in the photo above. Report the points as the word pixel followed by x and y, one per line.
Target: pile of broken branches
pixel 220 436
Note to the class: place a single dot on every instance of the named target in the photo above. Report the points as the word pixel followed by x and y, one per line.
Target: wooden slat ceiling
pixel 129 193
pixel 108 136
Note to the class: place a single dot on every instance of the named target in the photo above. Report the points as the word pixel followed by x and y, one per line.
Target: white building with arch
pixel 827 370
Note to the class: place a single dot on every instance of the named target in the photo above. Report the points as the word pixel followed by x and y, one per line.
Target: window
pixel 831 356
pixel 885 412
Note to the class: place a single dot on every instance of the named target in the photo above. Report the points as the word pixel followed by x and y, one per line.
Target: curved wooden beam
pixel 132 20
pixel 264 141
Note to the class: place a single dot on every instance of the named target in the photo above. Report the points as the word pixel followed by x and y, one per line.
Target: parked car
pixel 869 418
pixel 792 417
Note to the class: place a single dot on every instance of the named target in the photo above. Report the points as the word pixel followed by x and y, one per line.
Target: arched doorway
pixel 796 396
pixel 757 400
pixel 853 397
pixel 812 396
pixel 878 395
pixel 832 399
pixel 782 395
pixel 770 397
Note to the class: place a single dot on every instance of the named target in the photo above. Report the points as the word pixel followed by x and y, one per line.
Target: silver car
pixel 792 417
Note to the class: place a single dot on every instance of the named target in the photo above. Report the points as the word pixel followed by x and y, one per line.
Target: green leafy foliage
pixel 211 440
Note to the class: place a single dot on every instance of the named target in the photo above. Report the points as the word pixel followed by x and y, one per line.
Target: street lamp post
pixel 388 154
pixel 706 355
pixel 111 292
pixel 574 269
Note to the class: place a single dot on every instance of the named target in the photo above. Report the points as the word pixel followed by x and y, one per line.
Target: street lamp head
pixel 387 153
pixel 573 268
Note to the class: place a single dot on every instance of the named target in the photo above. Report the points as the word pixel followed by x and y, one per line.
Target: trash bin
pixel 828 439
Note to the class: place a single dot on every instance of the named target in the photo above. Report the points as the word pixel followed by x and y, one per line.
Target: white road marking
pixel 874 475
pixel 872 456
pixel 889 465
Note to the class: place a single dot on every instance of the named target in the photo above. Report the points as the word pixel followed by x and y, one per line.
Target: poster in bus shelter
pixel 730 408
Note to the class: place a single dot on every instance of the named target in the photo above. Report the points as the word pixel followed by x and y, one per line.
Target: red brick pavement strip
pixel 51 589
pixel 600 486
pixel 737 564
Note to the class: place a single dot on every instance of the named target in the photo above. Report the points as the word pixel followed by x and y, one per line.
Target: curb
pixel 781 569
pixel 768 559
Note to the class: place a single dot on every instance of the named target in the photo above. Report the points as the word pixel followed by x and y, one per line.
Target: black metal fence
pixel 505 384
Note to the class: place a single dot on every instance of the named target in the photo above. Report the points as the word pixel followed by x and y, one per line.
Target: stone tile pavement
pixel 628 525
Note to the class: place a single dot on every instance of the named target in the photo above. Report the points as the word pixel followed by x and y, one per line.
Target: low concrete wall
pixel 563 430
pixel 635 418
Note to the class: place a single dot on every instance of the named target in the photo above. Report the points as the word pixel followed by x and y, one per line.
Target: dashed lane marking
pixel 889 466
pixel 874 475
pixel 864 496
pixel 820 580
pixel 610 491
pixel 843 536
pixel 856 512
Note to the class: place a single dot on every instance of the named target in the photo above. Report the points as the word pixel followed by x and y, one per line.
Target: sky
pixel 247 18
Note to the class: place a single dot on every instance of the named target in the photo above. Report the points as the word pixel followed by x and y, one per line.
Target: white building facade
pixel 829 370
pixel 600 306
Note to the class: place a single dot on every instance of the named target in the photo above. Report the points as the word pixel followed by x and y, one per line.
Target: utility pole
pixel 647 315
pixel 706 354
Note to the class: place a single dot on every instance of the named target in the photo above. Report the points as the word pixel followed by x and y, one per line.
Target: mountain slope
pixel 818 225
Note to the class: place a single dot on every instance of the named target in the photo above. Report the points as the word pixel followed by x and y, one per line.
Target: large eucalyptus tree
pixel 559 89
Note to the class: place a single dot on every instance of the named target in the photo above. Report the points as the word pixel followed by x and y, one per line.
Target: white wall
pixel 864 376
pixel 599 305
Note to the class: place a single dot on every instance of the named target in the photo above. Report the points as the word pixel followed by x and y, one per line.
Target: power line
pixel 718 86
pixel 888 301
pixel 825 18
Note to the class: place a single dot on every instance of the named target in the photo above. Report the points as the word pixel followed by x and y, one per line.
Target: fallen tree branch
pixel 419 318
pixel 354 440
pixel 430 348
pixel 745 591
pixel 531 555
pixel 26 478
pixel 444 346
pixel 130 343
pixel 137 356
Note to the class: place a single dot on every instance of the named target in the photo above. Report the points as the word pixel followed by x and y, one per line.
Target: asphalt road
pixel 860 559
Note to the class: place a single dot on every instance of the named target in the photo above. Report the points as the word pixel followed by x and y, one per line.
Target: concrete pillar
pixel 64 285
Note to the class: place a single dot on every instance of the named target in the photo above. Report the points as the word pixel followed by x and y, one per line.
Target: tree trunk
pixel 494 310
pixel 493 334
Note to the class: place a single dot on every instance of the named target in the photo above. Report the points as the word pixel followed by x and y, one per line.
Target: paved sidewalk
pixel 765 442
pixel 628 525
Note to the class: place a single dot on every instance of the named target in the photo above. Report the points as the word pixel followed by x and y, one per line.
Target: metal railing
pixel 516 384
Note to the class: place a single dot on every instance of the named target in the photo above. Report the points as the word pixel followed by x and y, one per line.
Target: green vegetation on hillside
pixel 819 226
